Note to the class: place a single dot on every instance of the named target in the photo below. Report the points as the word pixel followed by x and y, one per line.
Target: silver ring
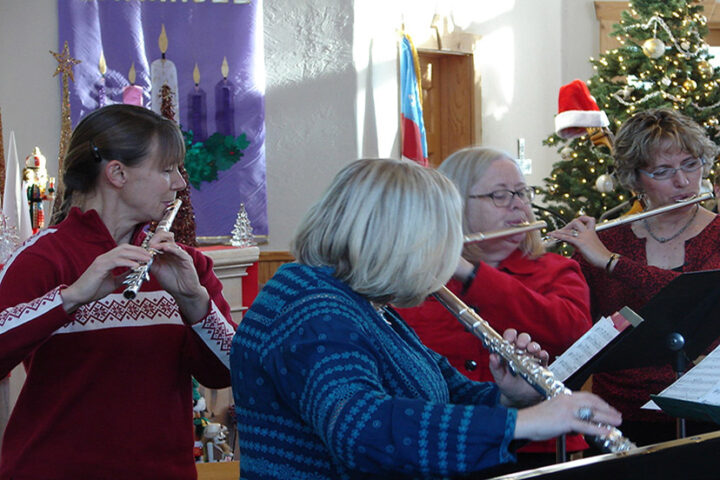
pixel 575 233
pixel 585 414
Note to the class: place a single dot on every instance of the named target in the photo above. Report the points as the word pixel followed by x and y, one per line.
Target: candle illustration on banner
pixel 132 94
pixel 197 102
pixel 102 66
pixel 163 77
pixel 224 107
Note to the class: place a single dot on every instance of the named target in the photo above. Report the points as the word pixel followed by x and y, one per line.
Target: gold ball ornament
pixel 689 84
pixel 653 48
pixel 705 68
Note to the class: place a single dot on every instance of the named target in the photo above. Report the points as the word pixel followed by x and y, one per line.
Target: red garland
pixel 166 102
pixel 184 225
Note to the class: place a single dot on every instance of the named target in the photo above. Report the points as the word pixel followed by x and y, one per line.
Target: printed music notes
pixel 593 342
pixel 694 395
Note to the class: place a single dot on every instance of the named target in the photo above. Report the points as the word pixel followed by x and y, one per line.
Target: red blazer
pixel 546 297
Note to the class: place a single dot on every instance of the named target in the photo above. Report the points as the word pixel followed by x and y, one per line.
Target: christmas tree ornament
pixel 705 68
pixel 653 48
pixel 665 81
pixel 242 235
pixel 605 183
pixel 566 152
pixel 689 84
pixel 685 45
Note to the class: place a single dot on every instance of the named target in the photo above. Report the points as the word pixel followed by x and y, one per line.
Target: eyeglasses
pixel 503 198
pixel 665 173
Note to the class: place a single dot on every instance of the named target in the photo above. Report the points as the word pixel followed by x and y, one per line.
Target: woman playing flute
pixel 109 389
pixel 328 380
pixel 663 155
pixel 510 281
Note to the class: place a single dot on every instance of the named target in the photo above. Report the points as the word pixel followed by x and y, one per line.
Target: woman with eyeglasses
pixel 663 155
pixel 510 281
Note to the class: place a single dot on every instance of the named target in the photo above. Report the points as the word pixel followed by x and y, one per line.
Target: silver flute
pixel 142 273
pixel 523 227
pixel 633 217
pixel 521 363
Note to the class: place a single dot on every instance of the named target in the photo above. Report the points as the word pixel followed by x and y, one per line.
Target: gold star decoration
pixel 65 62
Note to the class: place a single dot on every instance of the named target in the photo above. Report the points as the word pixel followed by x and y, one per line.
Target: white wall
pixel 29 94
pixel 332 81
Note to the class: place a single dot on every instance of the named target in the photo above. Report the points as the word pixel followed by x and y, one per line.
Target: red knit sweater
pixel 108 391
pixel 547 298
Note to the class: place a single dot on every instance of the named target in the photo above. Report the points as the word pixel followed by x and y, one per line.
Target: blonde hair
pixel 649 132
pixel 389 228
pixel 465 168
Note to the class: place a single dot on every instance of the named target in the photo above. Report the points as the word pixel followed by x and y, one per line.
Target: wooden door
pixel 448 87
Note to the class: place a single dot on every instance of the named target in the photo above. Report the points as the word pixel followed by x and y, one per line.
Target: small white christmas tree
pixel 242 235
pixel 9 240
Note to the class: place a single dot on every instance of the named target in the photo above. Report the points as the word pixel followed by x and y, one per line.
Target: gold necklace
pixel 676 234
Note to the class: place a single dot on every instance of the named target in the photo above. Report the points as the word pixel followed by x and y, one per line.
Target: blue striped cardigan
pixel 326 387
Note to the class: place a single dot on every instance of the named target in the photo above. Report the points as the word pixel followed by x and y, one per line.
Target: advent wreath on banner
pixel 210 54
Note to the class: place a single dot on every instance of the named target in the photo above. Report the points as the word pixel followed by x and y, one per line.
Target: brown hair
pixel 116 132
pixel 649 132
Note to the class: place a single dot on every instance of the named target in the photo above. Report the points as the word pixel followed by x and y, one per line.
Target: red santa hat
pixel 577 110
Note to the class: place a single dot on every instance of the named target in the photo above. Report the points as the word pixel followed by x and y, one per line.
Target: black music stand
pixel 688 306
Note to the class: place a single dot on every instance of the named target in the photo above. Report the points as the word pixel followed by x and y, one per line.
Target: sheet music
pixel 584 348
pixel 701 384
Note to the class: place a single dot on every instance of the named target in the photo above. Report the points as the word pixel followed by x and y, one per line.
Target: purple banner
pixel 225 93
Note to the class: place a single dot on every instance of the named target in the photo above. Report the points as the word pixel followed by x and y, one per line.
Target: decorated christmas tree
pixel 662 61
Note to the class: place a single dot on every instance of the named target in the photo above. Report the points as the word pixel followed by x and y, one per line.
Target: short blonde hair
pixel 389 228
pixel 646 133
pixel 465 168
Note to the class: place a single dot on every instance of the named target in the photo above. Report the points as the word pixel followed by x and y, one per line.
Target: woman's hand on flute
pixel 175 270
pixel 581 412
pixel 516 391
pixel 581 234
pixel 98 279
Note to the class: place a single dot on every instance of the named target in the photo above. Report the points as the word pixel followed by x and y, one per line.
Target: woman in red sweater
pixel 663 155
pixel 511 281
pixel 108 392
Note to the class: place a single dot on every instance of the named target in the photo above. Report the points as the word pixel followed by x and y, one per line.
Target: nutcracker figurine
pixel 38 187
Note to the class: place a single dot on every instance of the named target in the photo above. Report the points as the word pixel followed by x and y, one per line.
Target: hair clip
pixel 95 152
